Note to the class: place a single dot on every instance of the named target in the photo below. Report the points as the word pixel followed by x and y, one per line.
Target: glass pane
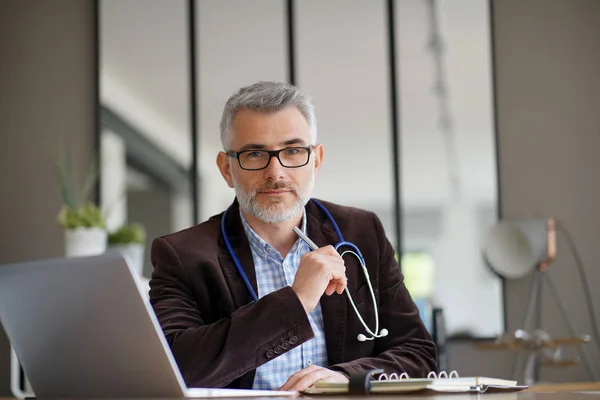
pixel 239 43
pixel 342 62
pixel 145 138
pixel 447 154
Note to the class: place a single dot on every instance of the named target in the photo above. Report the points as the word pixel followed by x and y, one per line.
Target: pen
pixel 309 242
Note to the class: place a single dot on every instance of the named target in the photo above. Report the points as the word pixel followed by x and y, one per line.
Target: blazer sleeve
pixel 215 354
pixel 408 347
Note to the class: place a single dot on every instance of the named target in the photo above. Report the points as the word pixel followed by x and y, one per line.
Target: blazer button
pixel 286 345
pixel 294 340
pixel 270 354
pixel 278 349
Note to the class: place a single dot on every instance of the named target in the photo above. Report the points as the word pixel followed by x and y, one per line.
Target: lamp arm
pixel 584 281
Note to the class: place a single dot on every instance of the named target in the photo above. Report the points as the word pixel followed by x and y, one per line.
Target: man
pixel 302 328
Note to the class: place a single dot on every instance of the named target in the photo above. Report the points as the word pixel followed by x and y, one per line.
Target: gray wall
pixel 153 207
pixel 547 57
pixel 46 88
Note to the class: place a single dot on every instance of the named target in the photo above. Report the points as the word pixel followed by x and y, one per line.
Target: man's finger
pixel 309 379
pixel 327 250
pixel 340 287
pixel 340 281
pixel 331 287
pixel 289 384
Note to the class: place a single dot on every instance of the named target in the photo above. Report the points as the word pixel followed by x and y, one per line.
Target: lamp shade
pixel 513 249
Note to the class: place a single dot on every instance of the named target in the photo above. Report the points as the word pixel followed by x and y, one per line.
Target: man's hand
pixel 320 271
pixel 306 377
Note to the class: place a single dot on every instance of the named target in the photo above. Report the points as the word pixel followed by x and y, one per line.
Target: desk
pixel 488 396
pixel 562 387
pixel 524 395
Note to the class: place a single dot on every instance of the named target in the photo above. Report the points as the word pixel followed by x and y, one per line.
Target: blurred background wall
pixel 47 89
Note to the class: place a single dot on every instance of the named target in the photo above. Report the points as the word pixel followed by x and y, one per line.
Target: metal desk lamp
pixel 514 250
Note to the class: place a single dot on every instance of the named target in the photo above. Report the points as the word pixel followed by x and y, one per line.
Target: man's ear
pixel 318 154
pixel 225 168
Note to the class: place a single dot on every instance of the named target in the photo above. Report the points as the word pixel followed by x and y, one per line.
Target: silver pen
pixel 309 242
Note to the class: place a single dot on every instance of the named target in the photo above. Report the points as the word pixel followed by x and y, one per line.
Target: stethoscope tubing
pixel 341 243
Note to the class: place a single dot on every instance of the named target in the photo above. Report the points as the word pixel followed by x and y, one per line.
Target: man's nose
pixel 274 168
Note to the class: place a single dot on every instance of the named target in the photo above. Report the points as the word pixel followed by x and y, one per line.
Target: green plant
pixel 127 234
pixel 77 210
pixel 86 216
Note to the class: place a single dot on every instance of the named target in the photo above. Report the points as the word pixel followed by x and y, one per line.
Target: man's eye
pixel 255 154
pixel 291 151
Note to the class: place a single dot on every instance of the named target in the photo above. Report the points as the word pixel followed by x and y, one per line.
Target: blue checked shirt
pixel 274 272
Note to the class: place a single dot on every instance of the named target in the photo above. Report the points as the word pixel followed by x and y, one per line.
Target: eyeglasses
pixel 254 160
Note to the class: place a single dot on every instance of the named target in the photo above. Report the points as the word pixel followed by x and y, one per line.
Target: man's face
pixel 276 193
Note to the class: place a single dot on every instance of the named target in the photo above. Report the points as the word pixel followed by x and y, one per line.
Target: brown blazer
pixel 219 336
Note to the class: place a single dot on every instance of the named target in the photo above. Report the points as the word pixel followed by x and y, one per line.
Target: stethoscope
pixel 355 251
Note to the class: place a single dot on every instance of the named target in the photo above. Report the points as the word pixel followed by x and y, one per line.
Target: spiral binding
pixel 431 375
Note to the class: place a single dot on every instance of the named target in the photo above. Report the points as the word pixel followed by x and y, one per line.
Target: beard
pixel 275 211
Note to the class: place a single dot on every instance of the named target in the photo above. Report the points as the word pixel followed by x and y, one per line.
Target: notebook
pixel 443 382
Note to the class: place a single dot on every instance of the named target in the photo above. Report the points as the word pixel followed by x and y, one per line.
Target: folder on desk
pixel 398 384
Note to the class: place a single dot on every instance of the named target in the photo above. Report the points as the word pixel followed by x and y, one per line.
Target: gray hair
pixel 267 97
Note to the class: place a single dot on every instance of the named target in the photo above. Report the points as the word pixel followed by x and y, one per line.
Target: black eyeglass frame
pixel 271 153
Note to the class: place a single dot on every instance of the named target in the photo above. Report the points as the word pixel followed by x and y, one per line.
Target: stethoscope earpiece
pixel 362 338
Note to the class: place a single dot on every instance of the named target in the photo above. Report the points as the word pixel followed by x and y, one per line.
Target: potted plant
pixel 130 240
pixel 83 222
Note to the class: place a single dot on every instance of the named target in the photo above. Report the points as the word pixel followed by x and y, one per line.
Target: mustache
pixel 273 185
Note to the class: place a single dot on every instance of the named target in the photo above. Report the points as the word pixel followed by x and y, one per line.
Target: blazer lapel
pixel 239 243
pixel 333 307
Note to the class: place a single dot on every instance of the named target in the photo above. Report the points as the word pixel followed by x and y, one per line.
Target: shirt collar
pixel 257 244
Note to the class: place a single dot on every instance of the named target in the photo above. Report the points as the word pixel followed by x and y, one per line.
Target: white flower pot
pixel 80 242
pixel 134 253
pixel 16 376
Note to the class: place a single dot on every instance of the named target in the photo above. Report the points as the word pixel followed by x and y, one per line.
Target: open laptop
pixel 81 327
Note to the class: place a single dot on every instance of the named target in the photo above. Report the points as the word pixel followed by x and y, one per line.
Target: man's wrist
pixel 302 301
pixel 340 372
pixel 343 373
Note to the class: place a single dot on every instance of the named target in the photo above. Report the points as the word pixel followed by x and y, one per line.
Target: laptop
pixel 82 327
